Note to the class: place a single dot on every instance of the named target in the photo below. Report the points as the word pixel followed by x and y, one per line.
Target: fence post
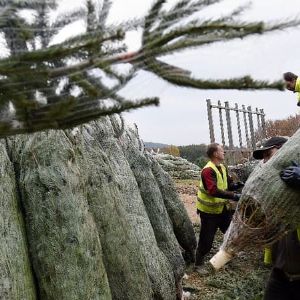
pixel 246 126
pixel 210 121
pixel 221 123
pixel 251 127
pixel 263 124
pixel 259 129
pixel 238 125
pixel 229 129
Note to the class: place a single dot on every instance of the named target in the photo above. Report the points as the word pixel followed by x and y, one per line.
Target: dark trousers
pixel 279 287
pixel 209 225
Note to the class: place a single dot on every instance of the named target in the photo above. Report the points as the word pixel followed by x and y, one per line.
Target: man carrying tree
pixel 215 191
pixel 284 281
pixel 292 83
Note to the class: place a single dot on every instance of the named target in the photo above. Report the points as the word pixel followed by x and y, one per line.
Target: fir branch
pixel 180 79
pixel 76 115
pixel 55 71
pixel 243 28
pixel 12 65
pixel 151 18
pixel 103 14
pixel 67 18
pixel 182 10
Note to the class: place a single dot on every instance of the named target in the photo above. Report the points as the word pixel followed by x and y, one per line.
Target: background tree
pixel 172 150
pixel 45 84
pixel 195 154
pixel 284 127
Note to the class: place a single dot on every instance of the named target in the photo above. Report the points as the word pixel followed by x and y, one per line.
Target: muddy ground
pixel 243 278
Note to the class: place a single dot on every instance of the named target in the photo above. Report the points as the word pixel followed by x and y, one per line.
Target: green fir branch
pixel 185 80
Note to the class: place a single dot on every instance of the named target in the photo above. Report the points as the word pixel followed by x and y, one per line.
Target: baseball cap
pixel 268 144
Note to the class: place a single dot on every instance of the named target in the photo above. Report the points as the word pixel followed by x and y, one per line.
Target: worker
pixel 269 148
pixel 284 255
pixel 215 191
pixel 292 83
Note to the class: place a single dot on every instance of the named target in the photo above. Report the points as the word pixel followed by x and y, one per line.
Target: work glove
pixel 236 197
pixel 238 185
pixel 291 175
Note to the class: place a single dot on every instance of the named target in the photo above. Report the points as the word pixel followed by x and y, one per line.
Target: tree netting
pixel 159 269
pixel 140 165
pixel 83 220
pixel 178 215
pixel 268 208
pixel 64 244
pixel 47 81
pixel 16 280
pixel 122 254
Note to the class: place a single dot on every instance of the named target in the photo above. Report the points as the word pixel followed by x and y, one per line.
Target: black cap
pixel 268 144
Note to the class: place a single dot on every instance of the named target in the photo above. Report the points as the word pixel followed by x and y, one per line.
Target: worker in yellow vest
pixel 215 191
pixel 292 83
pixel 284 255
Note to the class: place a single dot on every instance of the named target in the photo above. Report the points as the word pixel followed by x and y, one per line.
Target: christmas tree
pixel 48 84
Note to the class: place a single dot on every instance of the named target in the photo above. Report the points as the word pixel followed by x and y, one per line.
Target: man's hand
pixel 291 175
pixel 236 197
pixel 238 185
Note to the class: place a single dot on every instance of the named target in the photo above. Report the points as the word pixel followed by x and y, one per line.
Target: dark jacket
pixel 286 254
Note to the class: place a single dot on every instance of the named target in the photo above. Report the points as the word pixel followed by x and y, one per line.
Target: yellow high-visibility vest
pixel 297 89
pixel 207 203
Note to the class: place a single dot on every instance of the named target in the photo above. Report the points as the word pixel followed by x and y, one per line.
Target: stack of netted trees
pixel 178 167
pixel 242 171
pixel 89 215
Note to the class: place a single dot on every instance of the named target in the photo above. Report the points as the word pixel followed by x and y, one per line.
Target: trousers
pixel 209 225
pixel 279 287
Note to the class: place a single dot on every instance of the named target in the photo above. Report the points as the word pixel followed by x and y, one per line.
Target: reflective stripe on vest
pixel 207 203
pixel 267 256
pixel 268 251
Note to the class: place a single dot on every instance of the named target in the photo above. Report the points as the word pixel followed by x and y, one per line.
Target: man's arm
pixel 291 175
pixel 209 179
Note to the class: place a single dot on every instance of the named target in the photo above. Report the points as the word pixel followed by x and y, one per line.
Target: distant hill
pixel 155 145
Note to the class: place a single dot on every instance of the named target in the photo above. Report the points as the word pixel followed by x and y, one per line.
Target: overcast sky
pixel 181 118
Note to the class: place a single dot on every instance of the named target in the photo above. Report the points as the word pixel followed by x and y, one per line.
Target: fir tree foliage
pixel 48 84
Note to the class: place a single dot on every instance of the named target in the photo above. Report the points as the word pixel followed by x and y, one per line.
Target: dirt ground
pixel 241 279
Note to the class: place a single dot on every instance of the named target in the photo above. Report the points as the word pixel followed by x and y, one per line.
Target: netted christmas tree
pixel 86 213
pixel 50 84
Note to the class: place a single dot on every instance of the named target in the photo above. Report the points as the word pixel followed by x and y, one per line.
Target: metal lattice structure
pixel 246 132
